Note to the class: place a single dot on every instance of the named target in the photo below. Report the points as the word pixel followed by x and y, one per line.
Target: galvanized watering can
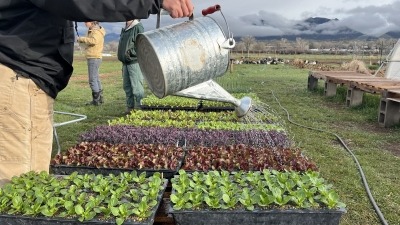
pixel 182 59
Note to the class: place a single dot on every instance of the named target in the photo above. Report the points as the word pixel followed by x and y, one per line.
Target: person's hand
pixel 128 53
pixel 178 8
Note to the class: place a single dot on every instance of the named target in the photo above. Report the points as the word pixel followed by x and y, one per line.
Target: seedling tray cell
pixel 66 170
pixel 24 220
pixel 202 109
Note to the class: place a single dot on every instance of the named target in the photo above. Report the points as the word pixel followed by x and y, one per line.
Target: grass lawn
pixel 377 149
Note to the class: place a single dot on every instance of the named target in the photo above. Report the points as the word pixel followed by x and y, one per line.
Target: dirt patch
pixel 102 76
pixel 105 58
pixel 375 128
pixel 299 63
pixel 354 65
pixel 392 147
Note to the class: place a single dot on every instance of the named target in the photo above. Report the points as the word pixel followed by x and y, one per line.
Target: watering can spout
pixel 244 107
pixel 210 90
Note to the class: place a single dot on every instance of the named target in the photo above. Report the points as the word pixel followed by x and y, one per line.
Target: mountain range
pixel 313 28
pixel 111 37
pixel 324 29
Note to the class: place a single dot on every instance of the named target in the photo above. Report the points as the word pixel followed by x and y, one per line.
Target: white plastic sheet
pixel 393 65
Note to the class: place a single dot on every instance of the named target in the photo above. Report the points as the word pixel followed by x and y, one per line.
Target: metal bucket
pixel 176 57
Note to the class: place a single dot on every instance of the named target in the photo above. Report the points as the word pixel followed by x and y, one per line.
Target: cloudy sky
pixel 266 17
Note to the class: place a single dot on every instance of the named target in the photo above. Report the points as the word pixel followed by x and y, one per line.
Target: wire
pixel 364 180
pixel 76 29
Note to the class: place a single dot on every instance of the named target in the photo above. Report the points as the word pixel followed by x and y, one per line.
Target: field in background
pixel 328 61
pixel 281 84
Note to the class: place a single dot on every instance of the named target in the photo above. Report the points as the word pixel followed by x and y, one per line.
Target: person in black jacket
pixel 36 52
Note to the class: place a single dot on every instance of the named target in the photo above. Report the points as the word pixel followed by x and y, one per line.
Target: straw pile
pixel 356 65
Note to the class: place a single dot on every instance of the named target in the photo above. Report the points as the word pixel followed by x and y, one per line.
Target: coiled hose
pixel 364 180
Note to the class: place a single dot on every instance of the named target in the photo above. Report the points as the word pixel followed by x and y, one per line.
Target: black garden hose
pixel 364 180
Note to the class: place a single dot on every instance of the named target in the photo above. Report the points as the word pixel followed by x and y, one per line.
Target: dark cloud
pixel 374 20
pixel 263 18
pixel 371 20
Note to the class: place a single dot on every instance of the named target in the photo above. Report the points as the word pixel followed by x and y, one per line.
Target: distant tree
pixel 384 47
pixel 356 48
pixel 112 46
pixel 248 41
pixel 343 45
pixel 315 45
pixel 259 46
pixel 239 47
pixel 283 45
pixel 301 45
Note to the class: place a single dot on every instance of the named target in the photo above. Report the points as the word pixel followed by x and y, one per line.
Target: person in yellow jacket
pixel 94 42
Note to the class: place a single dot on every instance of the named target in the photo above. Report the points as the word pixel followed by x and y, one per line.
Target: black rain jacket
pixel 37 36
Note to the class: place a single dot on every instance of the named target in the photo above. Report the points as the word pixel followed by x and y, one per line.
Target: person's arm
pixel 131 52
pixel 113 10
pixel 93 39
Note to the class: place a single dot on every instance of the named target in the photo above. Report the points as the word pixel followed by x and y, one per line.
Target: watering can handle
pixel 230 42
pixel 211 10
pixel 165 12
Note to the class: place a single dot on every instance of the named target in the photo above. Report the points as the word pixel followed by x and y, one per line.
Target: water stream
pixel 262 117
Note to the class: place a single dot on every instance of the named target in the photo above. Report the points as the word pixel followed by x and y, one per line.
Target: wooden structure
pixel 357 84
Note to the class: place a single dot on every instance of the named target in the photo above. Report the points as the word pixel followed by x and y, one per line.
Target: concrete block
pixel 389 112
pixel 330 89
pixel 354 97
pixel 312 82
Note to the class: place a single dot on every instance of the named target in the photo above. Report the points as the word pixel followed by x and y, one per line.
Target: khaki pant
pixel 26 126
